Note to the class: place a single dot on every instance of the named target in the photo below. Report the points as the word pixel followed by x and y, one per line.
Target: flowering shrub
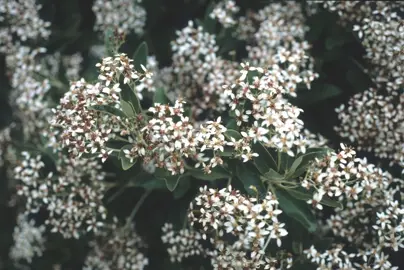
pixel 117 155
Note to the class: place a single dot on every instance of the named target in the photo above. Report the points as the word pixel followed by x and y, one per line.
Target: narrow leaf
pixel 182 187
pixel 216 174
pixel 273 175
pixel 249 179
pixel 115 144
pixel 294 166
pixel 307 158
pixel 296 209
pixel 130 97
pixel 265 161
pixel 160 96
pixel 140 56
pixel 127 109
pixel 172 182
pixel 126 162
pixel 209 24
pixel 109 109
pixel 305 195
pixel 230 133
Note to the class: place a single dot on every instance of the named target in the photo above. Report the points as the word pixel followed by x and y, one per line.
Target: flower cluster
pixel 111 69
pixel 275 39
pixel 116 248
pixel 375 122
pixel 337 257
pixel 165 141
pixel 198 72
pixel 21 20
pixel 72 194
pixel 5 140
pixel 29 92
pixel 224 12
pixel 374 119
pixel 253 222
pixel 72 65
pixel 257 102
pixel 28 240
pixel 124 15
pixel 85 130
pixel 372 217
pixel 226 212
pixel 183 243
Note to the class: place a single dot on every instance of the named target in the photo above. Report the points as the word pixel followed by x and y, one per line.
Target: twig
pixel 136 208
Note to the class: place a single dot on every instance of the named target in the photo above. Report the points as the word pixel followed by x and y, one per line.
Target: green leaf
pixel 128 109
pixel 182 187
pixel 294 166
pixel 228 151
pixel 335 41
pixel 303 194
pixel 172 182
pixel 310 155
pixel 319 93
pixel 130 97
pixel 296 209
pixel 273 175
pixel 126 162
pixel 217 173
pixel 115 144
pixel 160 96
pixel 232 124
pixel 148 182
pixel 108 40
pixel 209 24
pixel 249 179
pixel 230 133
pixel 109 109
pixel 265 161
pixel 140 56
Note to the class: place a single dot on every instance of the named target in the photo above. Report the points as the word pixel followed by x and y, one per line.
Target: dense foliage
pixel 201 134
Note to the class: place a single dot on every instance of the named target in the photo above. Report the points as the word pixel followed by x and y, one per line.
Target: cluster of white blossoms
pixel 337 258
pixel 116 248
pixel 72 194
pixel 198 72
pixel 28 240
pixel 5 141
pixel 221 213
pixel 372 217
pixel 183 243
pixel 375 122
pixel 224 13
pixel 263 114
pixel 84 129
pixel 253 224
pixel 21 20
pixel 169 136
pixel 374 119
pixel 112 69
pixel 275 39
pixel 123 15
pixel 72 65
pixel 166 142
pixel 29 90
